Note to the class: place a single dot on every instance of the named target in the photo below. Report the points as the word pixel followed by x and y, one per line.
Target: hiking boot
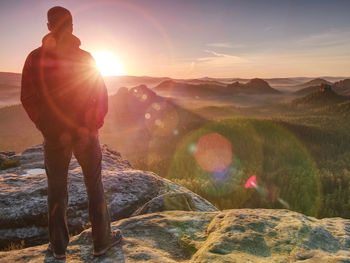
pixel 116 238
pixel 56 256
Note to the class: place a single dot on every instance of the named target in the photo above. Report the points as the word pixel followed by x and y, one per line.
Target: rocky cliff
pixel 23 195
pixel 240 235
pixel 194 231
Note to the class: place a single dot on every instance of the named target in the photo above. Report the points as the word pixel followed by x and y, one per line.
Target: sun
pixel 108 64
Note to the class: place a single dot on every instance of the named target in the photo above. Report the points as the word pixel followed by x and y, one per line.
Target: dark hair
pixel 59 18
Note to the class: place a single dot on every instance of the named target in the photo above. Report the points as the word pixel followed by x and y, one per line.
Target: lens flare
pixel 213 152
pixel 108 64
pixel 263 148
pixel 271 194
pixel 165 119
pixel 251 183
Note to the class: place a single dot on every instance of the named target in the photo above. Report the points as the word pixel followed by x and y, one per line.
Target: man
pixel 66 98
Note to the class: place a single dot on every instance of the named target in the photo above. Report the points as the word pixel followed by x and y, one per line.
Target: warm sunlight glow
pixel 108 64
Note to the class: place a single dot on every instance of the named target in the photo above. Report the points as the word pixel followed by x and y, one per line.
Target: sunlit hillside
pixel 212 140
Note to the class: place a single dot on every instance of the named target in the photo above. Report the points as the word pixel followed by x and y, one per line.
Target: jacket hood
pixel 64 41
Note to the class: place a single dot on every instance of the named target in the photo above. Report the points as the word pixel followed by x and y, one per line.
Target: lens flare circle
pixel 213 152
pixel 288 176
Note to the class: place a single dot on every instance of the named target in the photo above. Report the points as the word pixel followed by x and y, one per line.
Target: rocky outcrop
pixel 23 195
pixel 170 201
pixel 240 235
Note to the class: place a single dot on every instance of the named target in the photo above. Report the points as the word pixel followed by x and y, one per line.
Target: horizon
pixel 194 39
pixel 202 77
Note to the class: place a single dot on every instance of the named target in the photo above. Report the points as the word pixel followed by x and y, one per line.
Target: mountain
pixel 202 81
pixel 254 86
pixel 314 82
pixel 139 116
pixel 323 96
pixel 141 106
pixel 185 89
pixel 307 90
pixel 343 87
pixel 138 109
pixel 310 86
pixel 113 83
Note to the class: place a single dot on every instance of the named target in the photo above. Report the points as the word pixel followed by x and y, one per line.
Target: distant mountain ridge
pixel 323 96
pixel 310 86
pixel 315 82
pixel 171 87
pixel 341 87
pixel 209 86
pixel 253 87
pixel 141 108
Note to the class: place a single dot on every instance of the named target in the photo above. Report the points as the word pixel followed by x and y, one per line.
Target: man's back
pixel 62 88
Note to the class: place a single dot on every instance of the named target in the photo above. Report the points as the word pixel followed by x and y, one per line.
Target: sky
pixel 194 38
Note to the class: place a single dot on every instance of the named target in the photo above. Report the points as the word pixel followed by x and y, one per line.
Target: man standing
pixel 66 98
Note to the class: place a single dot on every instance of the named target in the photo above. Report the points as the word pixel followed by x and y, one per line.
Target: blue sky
pixel 194 38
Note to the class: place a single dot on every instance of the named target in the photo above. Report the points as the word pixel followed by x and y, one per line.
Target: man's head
pixel 59 20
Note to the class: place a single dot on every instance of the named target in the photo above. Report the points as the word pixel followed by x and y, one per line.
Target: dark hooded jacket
pixel 61 88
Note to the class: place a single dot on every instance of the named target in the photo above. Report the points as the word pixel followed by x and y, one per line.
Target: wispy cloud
pixel 225 45
pixel 221 56
pixel 327 39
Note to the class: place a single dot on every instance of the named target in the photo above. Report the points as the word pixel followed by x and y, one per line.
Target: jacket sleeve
pixel 100 96
pixel 29 94
pixel 101 101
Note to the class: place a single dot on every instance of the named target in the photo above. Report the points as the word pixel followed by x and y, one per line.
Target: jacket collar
pixel 62 42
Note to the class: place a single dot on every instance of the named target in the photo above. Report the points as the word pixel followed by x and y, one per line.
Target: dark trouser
pixel 58 153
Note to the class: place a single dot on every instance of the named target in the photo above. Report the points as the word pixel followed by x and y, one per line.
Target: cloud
pixel 326 39
pixel 225 45
pixel 221 56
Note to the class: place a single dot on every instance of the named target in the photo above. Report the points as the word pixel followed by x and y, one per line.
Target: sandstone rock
pixel 23 196
pixel 240 235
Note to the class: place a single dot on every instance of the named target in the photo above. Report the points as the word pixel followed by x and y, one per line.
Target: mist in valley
pixel 296 142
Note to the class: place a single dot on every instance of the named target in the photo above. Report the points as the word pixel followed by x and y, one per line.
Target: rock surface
pixel 167 202
pixel 23 196
pixel 240 235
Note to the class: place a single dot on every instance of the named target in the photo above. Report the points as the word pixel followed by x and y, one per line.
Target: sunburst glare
pixel 108 64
